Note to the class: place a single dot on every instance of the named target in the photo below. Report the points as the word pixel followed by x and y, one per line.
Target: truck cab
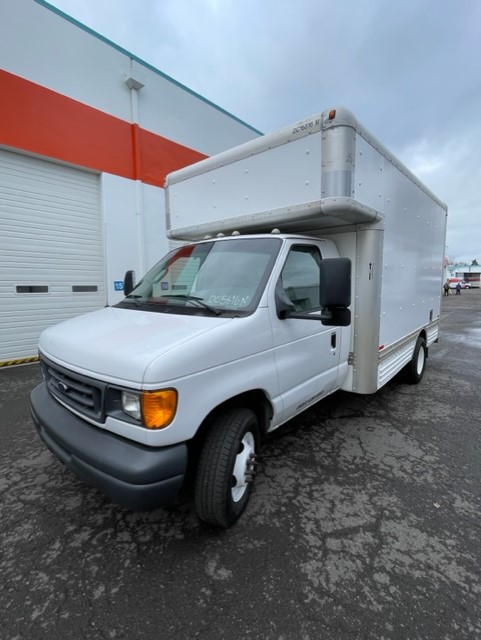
pixel 221 342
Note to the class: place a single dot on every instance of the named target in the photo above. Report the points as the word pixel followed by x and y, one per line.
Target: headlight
pixel 154 409
pixel 131 404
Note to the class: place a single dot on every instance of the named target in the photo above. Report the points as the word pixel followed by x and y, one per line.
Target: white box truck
pixel 310 260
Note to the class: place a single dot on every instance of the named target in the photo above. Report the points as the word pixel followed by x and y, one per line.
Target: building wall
pixel 71 97
pixel 471 275
pixel 43 45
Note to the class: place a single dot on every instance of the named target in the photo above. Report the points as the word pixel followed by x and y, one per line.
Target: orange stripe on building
pixel 41 121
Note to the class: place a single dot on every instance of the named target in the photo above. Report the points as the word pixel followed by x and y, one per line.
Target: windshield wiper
pixel 195 299
pixel 135 298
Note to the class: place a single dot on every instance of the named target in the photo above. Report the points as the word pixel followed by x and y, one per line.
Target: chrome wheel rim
pixel 244 467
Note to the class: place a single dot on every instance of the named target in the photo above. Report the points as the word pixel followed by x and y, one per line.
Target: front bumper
pixel 130 474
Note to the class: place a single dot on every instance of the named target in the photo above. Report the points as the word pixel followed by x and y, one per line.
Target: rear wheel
pixel 415 369
pixel 226 467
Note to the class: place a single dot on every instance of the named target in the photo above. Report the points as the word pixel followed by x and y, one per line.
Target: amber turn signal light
pixel 158 408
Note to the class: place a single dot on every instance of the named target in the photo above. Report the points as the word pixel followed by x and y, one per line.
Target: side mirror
pixel 335 282
pixel 129 282
pixel 335 291
pixel 334 295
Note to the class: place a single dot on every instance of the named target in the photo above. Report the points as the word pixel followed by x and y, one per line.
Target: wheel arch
pixel 413 372
pixel 423 334
pixel 256 400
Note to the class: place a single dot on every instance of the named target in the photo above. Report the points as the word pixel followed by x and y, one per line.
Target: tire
pixel 415 369
pixel 226 467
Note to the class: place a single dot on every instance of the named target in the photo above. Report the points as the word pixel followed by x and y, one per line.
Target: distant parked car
pixel 454 281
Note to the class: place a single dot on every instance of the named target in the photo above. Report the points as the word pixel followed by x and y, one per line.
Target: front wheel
pixel 415 369
pixel 226 467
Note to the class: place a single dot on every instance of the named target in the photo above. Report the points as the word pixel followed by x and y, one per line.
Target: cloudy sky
pixel 410 70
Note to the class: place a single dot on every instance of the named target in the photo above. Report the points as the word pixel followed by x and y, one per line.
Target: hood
pixel 118 345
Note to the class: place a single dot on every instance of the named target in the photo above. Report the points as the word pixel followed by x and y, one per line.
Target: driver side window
pixel 300 277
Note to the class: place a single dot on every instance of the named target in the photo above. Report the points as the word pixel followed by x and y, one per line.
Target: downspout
pixel 135 85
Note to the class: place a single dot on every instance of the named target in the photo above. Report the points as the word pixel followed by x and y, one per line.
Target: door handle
pixel 333 340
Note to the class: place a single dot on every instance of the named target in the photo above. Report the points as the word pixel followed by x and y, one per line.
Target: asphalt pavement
pixel 365 523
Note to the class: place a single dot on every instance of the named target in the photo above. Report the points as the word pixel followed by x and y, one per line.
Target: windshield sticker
pixel 229 301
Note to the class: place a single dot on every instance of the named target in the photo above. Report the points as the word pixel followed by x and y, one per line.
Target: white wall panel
pixel 134 222
pixel 121 234
pixel 43 47
pixel 155 239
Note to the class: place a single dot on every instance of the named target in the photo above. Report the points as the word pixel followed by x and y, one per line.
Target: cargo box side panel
pixel 414 243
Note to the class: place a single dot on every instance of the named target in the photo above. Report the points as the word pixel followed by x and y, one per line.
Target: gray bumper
pixel 130 474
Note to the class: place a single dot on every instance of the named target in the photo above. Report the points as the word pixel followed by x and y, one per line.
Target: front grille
pixel 82 394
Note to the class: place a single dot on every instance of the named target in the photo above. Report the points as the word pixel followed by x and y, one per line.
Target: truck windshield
pixel 222 277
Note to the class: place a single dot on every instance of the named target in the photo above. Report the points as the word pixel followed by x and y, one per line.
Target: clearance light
pixel 158 408
pixel 332 114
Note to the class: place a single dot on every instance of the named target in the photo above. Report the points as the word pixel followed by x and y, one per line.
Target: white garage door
pixel 51 249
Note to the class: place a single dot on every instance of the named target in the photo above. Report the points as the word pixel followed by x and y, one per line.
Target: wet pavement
pixel 365 523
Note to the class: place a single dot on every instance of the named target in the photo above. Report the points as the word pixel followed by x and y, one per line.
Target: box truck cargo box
pixel 310 260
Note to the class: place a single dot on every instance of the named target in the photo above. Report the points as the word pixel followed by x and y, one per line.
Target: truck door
pixel 306 352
